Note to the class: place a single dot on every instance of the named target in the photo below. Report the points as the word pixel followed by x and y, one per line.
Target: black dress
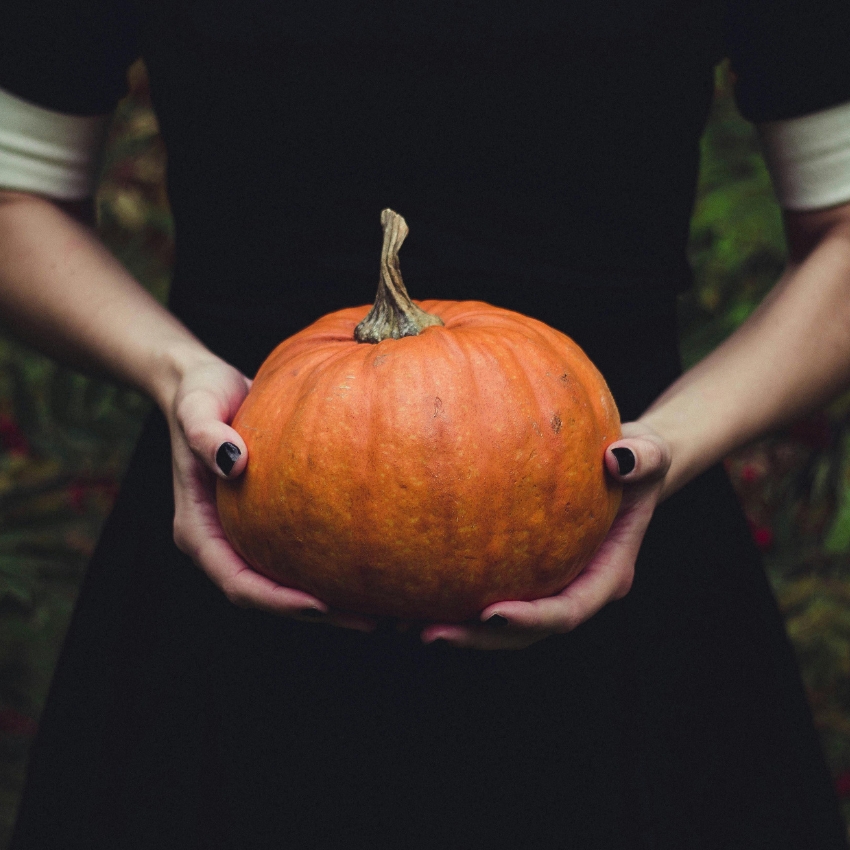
pixel 545 155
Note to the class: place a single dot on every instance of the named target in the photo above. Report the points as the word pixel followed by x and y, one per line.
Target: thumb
pixel 641 458
pixel 218 446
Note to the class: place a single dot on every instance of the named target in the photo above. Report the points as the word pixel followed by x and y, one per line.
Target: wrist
pixel 173 362
pixel 691 451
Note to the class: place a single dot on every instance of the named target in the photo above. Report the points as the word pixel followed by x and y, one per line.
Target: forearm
pixel 792 355
pixel 63 292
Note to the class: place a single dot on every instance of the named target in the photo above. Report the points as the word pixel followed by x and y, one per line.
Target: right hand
pixel 207 398
pixel 517 624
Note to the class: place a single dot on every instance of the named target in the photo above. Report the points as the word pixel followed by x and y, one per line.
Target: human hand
pixel 644 459
pixel 203 446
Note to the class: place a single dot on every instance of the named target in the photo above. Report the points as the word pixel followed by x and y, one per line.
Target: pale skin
pixel 61 290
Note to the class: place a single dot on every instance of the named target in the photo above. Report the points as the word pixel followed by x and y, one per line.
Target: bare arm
pixel 792 355
pixel 65 293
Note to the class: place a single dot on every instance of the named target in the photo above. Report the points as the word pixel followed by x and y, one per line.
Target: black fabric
pixel 69 57
pixel 545 156
pixel 790 56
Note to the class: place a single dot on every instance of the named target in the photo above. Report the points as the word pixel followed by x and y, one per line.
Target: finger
pixel 606 578
pixel 247 588
pixel 599 584
pixel 341 620
pixel 198 533
pixel 482 637
pixel 212 440
pixel 639 458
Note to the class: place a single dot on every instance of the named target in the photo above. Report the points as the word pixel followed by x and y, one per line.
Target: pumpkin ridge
pixel 468 537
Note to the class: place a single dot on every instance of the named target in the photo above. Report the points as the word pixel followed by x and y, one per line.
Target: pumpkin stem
pixel 393 315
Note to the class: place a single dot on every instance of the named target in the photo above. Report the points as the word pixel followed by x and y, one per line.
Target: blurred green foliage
pixel 65 438
pixel 737 246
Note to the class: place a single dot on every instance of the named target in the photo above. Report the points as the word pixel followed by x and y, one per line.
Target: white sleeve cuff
pixel 809 158
pixel 49 153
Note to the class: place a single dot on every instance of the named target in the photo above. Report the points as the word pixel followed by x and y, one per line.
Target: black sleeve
pixel 791 57
pixel 67 55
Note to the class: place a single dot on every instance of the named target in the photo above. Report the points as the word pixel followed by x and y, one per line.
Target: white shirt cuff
pixel 809 158
pixel 49 153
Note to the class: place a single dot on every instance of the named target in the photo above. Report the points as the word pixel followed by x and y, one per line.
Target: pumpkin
pixel 423 461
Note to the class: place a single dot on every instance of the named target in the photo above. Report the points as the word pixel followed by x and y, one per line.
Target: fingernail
pixel 226 457
pixel 625 460
pixel 497 621
pixel 310 612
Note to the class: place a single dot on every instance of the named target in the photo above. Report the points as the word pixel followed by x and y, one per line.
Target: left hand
pixel 607 577
pixel 199 410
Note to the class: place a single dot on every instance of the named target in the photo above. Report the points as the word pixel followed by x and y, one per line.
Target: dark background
pixel 65 438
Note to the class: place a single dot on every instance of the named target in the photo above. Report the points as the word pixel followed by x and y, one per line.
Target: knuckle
pixel 567 622
pixel 183 539
pixel 235 594
pixel 195 437
pixel 624 585
pixel 183 412
pixel 657 457
pixel 551 620
pixel 654 457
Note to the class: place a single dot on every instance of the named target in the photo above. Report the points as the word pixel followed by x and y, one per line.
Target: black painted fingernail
pixel 226 456
pixel 310 612
pixel 497 621
pixel 625 460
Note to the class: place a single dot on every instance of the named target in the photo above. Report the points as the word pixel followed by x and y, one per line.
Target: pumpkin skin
pixel 429 476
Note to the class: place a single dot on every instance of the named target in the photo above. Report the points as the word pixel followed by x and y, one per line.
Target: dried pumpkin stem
pixel 393 315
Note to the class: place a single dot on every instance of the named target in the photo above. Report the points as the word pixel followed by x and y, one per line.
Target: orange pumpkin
pixel 451 459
